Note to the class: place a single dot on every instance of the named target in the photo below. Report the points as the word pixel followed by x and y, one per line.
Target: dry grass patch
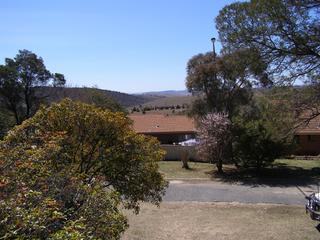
pixel 207 221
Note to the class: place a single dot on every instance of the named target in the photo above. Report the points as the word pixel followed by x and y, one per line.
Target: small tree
pixel 214 137
pixel 20 78
pixel 65 172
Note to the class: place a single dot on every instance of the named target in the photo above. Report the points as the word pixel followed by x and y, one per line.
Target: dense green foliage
pixel 262 131
pixel 65 173
pixel 254 145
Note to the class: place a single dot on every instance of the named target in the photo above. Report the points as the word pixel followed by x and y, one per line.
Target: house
pixel 173 129
pixel 308 137
pixel 168 129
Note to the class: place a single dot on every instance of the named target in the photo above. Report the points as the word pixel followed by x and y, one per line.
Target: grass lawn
pixel 206 221
pixel 281 168
pixel 304 164
pixel 173 169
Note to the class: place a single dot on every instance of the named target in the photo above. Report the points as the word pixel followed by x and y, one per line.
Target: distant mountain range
pixel 166 93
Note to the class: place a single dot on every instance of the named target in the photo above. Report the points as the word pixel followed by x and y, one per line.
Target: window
pixel 311 138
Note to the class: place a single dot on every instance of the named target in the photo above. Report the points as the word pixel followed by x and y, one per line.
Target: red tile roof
pixel 311 127
pixel 159 123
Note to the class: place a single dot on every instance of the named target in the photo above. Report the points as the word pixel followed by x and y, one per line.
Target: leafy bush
pixel 66 172
pixel 254 145
pixel 262 131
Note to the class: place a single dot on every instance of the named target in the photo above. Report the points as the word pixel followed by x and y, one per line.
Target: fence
pixel 175 152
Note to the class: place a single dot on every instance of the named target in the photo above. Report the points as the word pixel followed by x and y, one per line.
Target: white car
pixel 313 206
pixel 190 142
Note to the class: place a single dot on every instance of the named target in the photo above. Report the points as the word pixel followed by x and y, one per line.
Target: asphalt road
pixel 221 192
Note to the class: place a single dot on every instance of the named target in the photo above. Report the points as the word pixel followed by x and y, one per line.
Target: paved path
pixel 221 192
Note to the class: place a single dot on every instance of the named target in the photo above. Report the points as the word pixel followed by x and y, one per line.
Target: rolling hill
pixel 83 94
pixel 170 101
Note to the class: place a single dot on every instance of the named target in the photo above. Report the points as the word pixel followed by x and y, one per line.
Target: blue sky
pixel 123 45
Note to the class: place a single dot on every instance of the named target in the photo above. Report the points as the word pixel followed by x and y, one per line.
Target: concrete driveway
pixel 224 192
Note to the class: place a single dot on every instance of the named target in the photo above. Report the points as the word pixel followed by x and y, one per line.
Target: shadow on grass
pixel 191 169
pixel 278 175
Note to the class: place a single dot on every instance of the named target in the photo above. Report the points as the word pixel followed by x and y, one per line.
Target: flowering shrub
pixel 214 135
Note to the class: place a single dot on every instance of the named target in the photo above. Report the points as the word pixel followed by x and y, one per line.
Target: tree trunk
pixel 12 107
pixel 259 166
pixel 27 102
pixel 231 158
pixel 184 160
pixel 16 116
pixel 219 166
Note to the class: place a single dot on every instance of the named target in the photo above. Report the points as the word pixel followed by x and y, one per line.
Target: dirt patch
pixel 193 220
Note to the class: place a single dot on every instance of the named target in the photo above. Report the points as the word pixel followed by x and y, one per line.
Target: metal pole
pixel 213 40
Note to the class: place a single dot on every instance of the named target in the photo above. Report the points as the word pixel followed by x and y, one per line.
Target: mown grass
pixel 173 169
pixel 304 164
pixel 281 168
